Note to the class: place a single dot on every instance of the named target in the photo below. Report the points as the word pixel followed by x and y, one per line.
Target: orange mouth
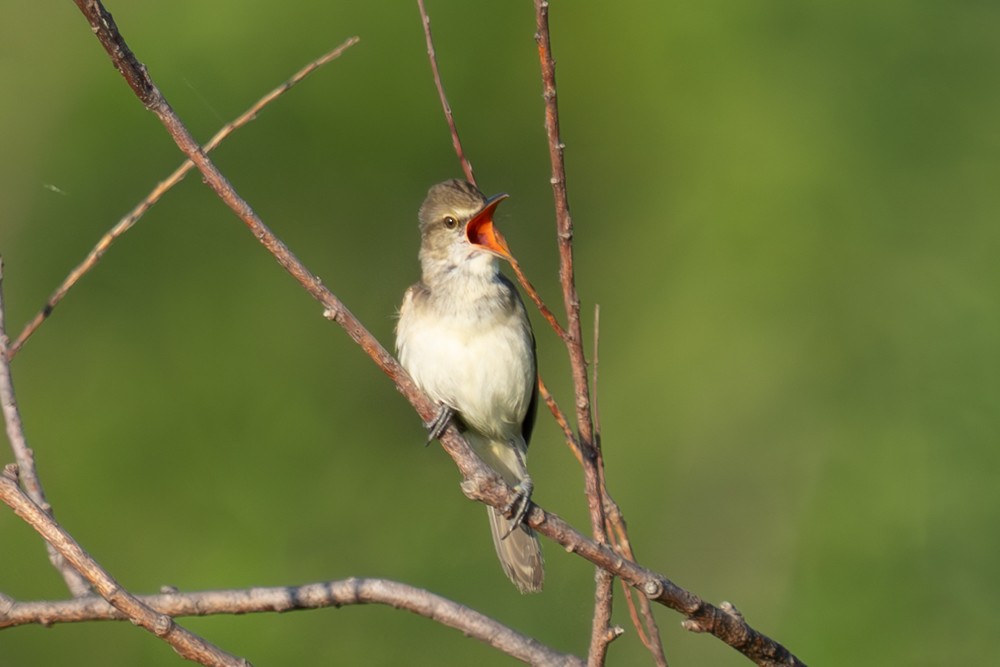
pixel 481 232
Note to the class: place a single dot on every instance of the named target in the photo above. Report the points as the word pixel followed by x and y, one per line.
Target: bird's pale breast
pixel 479 363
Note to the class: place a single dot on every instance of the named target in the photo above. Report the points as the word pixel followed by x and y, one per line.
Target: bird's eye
pixel 450 222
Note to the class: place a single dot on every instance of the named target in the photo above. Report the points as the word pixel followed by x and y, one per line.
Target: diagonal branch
pixel 127 222
pixel 448 115
pixel 326 594
pixel 186 643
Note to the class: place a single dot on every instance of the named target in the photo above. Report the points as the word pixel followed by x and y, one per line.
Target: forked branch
pixel 185 642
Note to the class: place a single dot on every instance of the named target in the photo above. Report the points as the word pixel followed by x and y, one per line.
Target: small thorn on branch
pixel 614 633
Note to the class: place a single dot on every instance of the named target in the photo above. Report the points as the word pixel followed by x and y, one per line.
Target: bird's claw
pixel 436 426
pixel 519 506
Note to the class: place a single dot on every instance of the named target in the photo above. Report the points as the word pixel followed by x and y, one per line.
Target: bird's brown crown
pixel 454 197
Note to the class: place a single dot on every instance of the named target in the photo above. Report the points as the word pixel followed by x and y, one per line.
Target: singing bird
pixel 464 336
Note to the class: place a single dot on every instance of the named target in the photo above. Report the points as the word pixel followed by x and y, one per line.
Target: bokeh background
pixel 787 211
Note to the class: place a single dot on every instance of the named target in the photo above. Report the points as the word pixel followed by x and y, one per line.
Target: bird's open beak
pixel 481 232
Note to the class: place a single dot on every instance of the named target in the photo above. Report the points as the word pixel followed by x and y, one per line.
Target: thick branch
pixel 291 598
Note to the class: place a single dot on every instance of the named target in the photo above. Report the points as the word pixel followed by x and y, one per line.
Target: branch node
pixel 163 625
pixel 693 626
pixel 731 609
pixel 471 489
pixel 10 472
pixel 653 589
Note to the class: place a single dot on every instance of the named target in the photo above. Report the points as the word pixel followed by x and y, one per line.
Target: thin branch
pixel 153 197
pixel 564 227
pixel 595 370
pixel 452 127
pixel 351 591
pixel 600 635
pixel 186 643
pixel 602 632
pixel 480 482
pixel 560 418
pixel 573 337
pixel 648 631
pixel 533 294
pixel 25 457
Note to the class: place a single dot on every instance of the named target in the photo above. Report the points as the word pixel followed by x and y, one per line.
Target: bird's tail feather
pixel 519 552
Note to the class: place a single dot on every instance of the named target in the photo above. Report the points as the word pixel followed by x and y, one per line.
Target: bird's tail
pixel 519 551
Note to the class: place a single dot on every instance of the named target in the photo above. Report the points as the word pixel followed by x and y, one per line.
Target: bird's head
pixel 456 225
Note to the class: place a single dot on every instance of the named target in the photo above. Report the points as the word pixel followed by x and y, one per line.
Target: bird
pixel 464 337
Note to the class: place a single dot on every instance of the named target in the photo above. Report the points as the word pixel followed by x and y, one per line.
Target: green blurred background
pixel 787 212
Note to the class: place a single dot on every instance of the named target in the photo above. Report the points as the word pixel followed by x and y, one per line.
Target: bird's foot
pixel 518 508
pixel 436 426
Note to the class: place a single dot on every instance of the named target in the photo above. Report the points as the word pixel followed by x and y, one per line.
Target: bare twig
pixel 480 482
pixel 648 631
pixel 153 197
pixel 602 632
pixel 564 229
pixel 25 457
pixel 595 370
pixel 600 636
pixel 537 299
pixel 186 643
pixel 573 337
pixel 452 127
pixel 290 598
pixel 560 418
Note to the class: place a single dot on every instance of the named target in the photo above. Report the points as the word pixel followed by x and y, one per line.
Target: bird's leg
pixel 436 426
pixel 522 501
pixel 519 506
